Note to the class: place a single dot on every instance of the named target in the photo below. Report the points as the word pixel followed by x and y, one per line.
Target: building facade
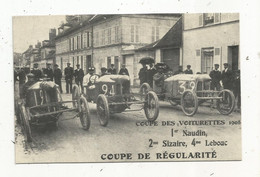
pixel 111 39
pixel 211 38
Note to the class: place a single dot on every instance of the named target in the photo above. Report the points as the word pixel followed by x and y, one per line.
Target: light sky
pixel 27 30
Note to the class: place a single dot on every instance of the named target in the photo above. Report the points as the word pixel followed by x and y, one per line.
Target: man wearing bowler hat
pixel 79 74
pixel 215 78
pixel 68 71
pixel 57 76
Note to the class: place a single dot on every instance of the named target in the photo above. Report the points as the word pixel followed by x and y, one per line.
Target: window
pixel 217 51
pixel 155 33
pixel 132 33
pixel 117 34
pixel 81 43
pixel 69 44
pixel 87 39
pixel 109 36
pixel 103 38
pixel 206 61
pixel 73 46
pixel 108 62
pixel 197 53
pixel 97 39
pixel 209 18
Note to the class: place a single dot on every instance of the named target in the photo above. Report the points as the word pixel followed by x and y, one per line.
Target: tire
pixel 151 106
pixel 189 103
pixel 84 113
pixel 25 123
pixel 226 106
pixel 102 110
pixel 75 95
pixel 144 89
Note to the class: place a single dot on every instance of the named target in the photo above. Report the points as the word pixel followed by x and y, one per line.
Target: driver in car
pixel 90 78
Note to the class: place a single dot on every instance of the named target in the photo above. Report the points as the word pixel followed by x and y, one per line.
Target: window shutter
pixel 201 20
pixel 217 17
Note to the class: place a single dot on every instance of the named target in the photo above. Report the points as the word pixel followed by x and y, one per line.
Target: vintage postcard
pixel 127 87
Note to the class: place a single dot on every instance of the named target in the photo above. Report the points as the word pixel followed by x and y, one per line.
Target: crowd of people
pixel 70 74
pixel 227 79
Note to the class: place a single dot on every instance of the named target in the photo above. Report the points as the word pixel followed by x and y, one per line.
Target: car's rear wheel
pixel 84 113
pixel 144 89
pixel 226 104
pixel 102 109
pixel 25 123
pixel 189 103
pixel 151 106
pixel 75 96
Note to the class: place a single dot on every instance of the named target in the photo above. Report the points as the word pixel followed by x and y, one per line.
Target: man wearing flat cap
pixel 57 76
pixel 79 74
pixel 215 78
pixel 48 71
pixel 36 72
pixel 226 77
pixel 188 70
pixel 68 71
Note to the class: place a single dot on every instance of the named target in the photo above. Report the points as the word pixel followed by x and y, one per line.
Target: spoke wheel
pixel 75 96
pixel 144 89
pixel 102 109
pixel 25 123
pixel 189 103
pixel 84 113
pixel 151 106
pixel 226 104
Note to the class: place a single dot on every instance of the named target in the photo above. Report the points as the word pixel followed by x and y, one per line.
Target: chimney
pixel 52 34
pixel 60 30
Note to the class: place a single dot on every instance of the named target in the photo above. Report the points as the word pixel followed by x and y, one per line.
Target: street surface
pixel 68 142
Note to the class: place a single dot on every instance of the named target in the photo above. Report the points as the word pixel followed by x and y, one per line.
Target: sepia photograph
pixel 127 87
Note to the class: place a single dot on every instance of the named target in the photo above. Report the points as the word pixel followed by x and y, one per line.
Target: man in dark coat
pixel 188 70
pixel 57 76
pixel 150 73
pixel 68 71
pixel 112 70
pixel 103 71
pixel 79 74
pixel 36 72
pixel 123 70
pixel 142 74
pixel 226 77
pixel 48 71
pixel 237 90
pixel 215 78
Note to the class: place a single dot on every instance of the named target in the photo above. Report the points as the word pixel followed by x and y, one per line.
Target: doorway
pixel 233 55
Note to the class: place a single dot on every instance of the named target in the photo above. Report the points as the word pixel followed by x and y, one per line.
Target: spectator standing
pixel 103 71
pixel 237 91
pixel 142 74
pixel 188 70
pixel 112 69
pixel 226 77
pixel 123 70
pixel 57 76
pixel 49 72
pixel 215 78
pixel 79 74
pixel 68 71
